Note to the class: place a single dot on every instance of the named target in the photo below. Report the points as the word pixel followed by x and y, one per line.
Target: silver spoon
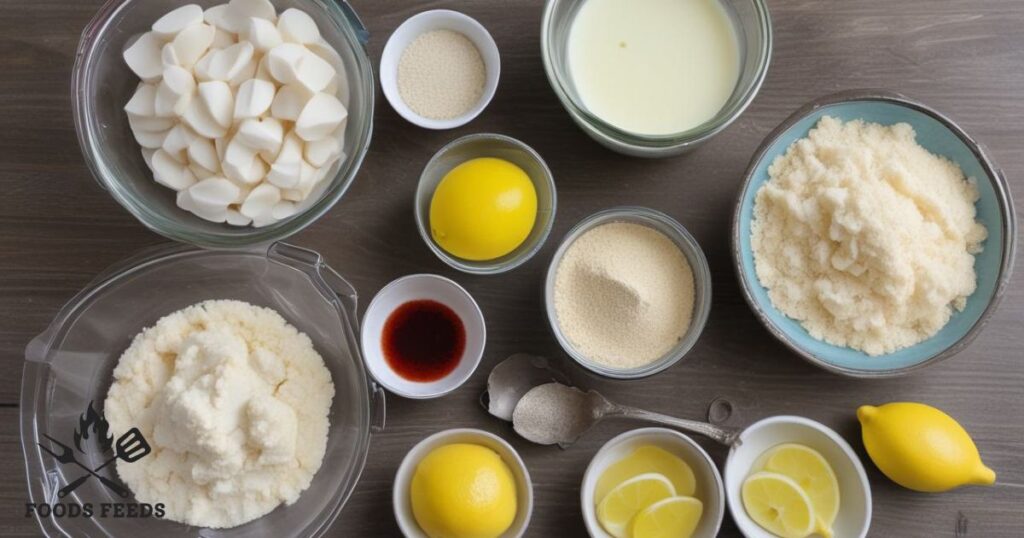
pixel 514 377
pixel 554 413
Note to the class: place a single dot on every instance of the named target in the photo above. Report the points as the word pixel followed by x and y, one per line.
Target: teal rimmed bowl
pixel 939 135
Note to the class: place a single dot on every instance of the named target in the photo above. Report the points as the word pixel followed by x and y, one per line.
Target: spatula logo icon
pixel 131 446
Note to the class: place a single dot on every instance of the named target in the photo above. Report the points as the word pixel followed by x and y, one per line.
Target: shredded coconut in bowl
pixel 866 238
pixel 234 402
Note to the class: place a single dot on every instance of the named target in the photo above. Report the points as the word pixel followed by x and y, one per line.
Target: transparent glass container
pixel 754 31
pixel 101 84
pixel 71 364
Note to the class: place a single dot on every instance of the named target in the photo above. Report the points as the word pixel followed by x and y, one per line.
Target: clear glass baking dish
pixel 754 30
pixel 70 365
pixel 101 84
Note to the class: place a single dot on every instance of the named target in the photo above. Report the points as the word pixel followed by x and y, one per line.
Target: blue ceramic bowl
pixel 939 135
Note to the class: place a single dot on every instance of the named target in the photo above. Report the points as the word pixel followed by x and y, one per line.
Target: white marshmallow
pixel 313 72
pixel 238 161
pixel 174 92
pixel 168 172
pixel 198 117
pixel 289 102
pixel 148 139
pixel 261 9
pixel 308 179
pixel 339 86
pixel 265 134
pixel 218 101
pixel 227 63
pixel 191 43
pixel 202 152
pixel 296 26
pixel 320 117
pixel 177 20
pixel 262 33
pixel 216 16
pixel 283 210
pixel 322 152
pixel 214 192
pixel 143 57
pixel 283 61
pixel 247 72
pixel 212 214
pixel 147 157
pixel 260 201
pixel 263 71
pixel 200 172
pixel 254 98
pixel 168 57
pixel 235 218
pixel 150 124
pixel 177 141
pixel 220 144
pixel 286 171
pixel 222 39
pixel 201 69
pixel 141 103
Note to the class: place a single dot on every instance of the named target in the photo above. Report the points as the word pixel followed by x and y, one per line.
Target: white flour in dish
pixel 866 238
pixel 234 402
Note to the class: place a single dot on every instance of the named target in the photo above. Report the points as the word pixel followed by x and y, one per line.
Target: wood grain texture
pixel 964 57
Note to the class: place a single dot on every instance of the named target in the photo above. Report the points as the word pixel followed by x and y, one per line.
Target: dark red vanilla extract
pixel 423 340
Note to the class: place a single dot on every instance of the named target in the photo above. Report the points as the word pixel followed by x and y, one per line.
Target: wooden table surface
pixel 964 57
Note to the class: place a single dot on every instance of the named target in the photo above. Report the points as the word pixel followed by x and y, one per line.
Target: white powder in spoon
pixel 624 295
pixel 441 75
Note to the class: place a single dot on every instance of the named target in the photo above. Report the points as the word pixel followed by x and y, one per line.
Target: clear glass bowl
pixel 71 364
pixel 101 84
pixel 489 145
pixel 701 287
pixel 754 30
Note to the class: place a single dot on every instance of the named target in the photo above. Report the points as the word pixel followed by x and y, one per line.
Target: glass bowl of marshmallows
pixel 224 124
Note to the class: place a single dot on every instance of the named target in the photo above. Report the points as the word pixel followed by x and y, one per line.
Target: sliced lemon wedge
pixel 777 503
pixel 811 471
pixel 621 504
pixel 674 517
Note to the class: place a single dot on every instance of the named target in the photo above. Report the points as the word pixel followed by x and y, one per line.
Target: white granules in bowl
pixel 866 238
pixel 234 402
pixel 441 75
pixel 623 295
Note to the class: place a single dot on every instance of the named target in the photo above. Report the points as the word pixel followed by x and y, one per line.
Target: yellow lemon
pixel 617 509
pixel 777 503
pixel 921 448
pixel 674 517
pixel 812 472
pixel 483 209
pixel 647 459
pixel 463 490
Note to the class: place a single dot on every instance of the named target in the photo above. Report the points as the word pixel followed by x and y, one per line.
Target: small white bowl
pixel 428 21
pixel 854 517
pixel 709 483
pixel 403 478
pixel 420 287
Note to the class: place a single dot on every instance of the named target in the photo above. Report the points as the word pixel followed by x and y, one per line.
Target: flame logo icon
pixel 93 420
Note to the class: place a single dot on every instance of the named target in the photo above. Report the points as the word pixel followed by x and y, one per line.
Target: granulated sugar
pixel 624 295
pixel 865 237
pixel 441 75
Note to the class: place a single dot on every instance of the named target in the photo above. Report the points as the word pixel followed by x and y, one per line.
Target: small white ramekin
pixel 412 288
pixel 403 478
pixel 428 21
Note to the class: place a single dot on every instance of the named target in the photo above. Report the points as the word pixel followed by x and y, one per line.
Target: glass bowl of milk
pixel 654 78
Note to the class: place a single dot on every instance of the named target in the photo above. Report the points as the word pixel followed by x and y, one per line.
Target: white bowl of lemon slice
pixel 792 477
pixel 652 480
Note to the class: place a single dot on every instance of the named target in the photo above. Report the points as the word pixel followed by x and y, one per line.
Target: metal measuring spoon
pixel 554 413
pixel 514 377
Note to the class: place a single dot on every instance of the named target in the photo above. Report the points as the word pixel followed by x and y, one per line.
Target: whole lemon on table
pixel 483 209
pixel 463 490
pixel 921 448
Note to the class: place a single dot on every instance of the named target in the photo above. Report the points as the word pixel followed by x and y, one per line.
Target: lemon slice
pixel 811 471
pixel 674 517
pixel 777 503
pixel 617 509
pixel 647 459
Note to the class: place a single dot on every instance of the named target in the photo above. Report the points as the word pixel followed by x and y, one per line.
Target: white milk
pixel 653 67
